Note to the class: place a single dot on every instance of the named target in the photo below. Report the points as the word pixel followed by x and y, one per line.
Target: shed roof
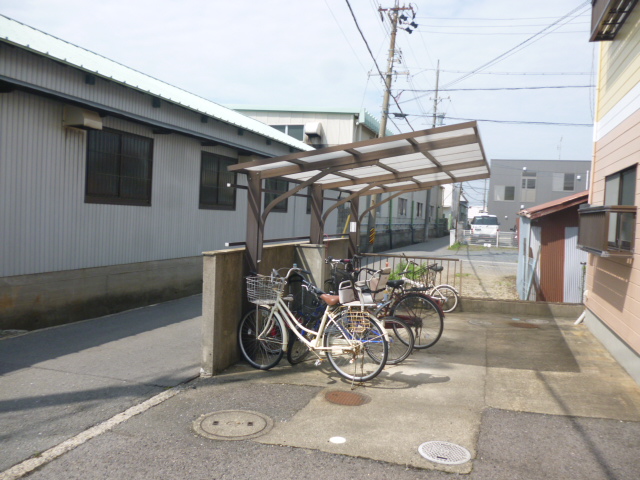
pixel 36 41
pixel 406 162
pixel 555 205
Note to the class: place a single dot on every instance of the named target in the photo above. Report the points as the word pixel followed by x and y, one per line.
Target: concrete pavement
pixel 529 398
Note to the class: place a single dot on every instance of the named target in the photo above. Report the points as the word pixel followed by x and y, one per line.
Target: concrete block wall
pixel 224 293
pixel 31 302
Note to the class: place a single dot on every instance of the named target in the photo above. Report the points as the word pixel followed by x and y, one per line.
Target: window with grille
pixel 119 167
pixel 214 177
pixel 610 229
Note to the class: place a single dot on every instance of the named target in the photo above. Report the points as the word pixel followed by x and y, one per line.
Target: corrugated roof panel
pixel 445 135
pixel 382 146
pixel 47 45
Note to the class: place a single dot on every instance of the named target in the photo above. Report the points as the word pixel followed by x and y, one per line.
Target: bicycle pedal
pixel 318 362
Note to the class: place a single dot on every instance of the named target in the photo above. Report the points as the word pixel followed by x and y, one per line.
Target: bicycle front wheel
pixel 447 296
pixel 359 349
pixel 400 341
pixel 261 338
pixel 423 316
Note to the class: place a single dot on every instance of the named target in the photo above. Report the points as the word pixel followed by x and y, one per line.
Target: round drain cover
pixel 350 399
pixel 233 425
pixel 444 452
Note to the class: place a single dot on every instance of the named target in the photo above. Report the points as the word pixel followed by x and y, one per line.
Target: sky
pixel 524 70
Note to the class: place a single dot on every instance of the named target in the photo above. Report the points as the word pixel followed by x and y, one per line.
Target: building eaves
pixel 363 116
pixel 555 205
pixel 41 43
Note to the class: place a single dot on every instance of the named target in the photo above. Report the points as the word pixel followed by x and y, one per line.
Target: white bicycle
pixel 446 295
pixel 353 340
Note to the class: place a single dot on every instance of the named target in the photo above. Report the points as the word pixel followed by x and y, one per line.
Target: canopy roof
pixel 406 162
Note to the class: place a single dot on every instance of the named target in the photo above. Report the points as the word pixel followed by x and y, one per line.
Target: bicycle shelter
pixel 396 164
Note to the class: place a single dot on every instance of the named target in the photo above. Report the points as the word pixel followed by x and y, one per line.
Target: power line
pixel 495 26
pixel 509 73
pixel 502 88
pixel 519 46
pixel 523 122
pixel 502 33
pixel 495 19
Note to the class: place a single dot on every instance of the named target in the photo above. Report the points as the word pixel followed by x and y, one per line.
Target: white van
pixel 485 226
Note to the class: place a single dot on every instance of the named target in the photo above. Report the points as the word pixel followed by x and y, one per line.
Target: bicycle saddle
pixel 330 300
pixel 395 283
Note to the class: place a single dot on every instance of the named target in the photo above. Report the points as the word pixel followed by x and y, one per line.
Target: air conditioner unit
pixel 80 118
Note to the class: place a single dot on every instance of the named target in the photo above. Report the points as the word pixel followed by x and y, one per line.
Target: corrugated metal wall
pixel 45 225
pixel 528 261
pixel 573 268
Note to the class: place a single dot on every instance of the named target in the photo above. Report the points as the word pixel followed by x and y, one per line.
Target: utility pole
pixel 394 16
pixel 387 81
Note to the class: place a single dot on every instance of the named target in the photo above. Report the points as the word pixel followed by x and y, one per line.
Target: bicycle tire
pixel 261 353
pixel 447 295
pixel 423 316
pixel 372 349
pixel 401 339
pixel 297 351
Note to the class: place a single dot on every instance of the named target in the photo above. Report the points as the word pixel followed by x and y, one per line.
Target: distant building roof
pixel 364 117
pixel 36 41
pixel 555 205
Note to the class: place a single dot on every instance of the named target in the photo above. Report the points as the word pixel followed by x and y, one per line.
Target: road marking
pixel 21 469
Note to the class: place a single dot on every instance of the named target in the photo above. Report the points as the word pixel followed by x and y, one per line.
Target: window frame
pixel 230 177
pixel 402 207
pixel 277 186
pixel 92 153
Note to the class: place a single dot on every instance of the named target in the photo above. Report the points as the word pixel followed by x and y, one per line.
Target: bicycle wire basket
pixel 264 289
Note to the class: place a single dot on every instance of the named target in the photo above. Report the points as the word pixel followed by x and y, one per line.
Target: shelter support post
pixel 317 222
pixel 354 234
pixel 255 225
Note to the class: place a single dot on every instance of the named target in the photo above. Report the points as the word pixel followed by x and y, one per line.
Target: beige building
pixel 609 226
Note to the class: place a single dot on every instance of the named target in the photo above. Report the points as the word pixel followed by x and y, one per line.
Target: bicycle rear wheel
pixel 261 339
pixel 401 339
pixel 359 346
pixel 447 296
pixel 423 316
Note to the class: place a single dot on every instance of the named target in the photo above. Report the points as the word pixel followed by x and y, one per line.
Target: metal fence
pixel 450 275
pixel 503 239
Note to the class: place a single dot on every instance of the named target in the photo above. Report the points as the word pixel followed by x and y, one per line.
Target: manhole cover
pixel 522 325
pixel 444 452
pixel 233 425
pixel 349 399
pixel 482 323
